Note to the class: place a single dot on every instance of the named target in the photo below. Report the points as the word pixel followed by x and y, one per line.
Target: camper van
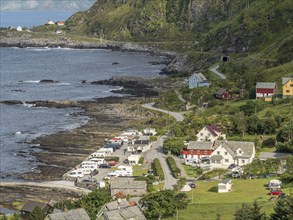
pixel 116 140
pixel 98 154
pixel 92 165
pixel 108 151
pixel 125 168
pixel 274 184
pixel 76 173
pixel 99 161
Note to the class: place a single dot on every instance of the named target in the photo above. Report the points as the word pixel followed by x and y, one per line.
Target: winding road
pixel 177 115
pixel 215 71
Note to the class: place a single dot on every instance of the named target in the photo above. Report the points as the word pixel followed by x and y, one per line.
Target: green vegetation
pixel 207 202
pixel 192 171
pixel 173 167
pixel 213 173
pixel 141 160
pixel 164 203
pixel 157 168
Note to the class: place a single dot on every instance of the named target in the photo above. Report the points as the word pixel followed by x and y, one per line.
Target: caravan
pixel 76 173
pixel 92 165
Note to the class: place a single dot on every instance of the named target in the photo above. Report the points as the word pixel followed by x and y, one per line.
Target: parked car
pixel 89 180
pixel 236 174
pixel 275 192
pixel 95 172
pixel 112 163
pixel 192 185
pixel 104 165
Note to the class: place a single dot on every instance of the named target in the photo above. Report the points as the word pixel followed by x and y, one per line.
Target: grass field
pixel 207 202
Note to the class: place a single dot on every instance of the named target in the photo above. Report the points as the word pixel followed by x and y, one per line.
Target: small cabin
pixel 133 159
pixel 225 186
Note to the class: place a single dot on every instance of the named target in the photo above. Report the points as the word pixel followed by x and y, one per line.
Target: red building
pixel 223 94
pixel 197 150
pixel 265 90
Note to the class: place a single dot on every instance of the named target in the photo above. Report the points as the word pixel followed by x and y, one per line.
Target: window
pixel 287 91
pixel 201 134
pixel 240 152
pixel 205 152
pixel 243 161
pixel 218 152
pixel 198 151
pixel 191 151
pixel 226 153
pixel 291 85
pixel 227 160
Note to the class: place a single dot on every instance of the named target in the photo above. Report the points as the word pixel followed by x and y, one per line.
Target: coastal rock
pixel 12 102
pixel 131 85
pixel 48 81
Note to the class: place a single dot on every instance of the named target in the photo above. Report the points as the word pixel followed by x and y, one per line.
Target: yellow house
pixel 287 86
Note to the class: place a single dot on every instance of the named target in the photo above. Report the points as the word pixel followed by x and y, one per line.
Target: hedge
pixel 157 168
pixel 173 167
pixel 110 158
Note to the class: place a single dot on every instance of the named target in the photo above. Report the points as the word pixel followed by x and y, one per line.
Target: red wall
pixel 195 152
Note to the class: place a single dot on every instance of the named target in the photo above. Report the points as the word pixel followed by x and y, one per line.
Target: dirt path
pixel 215 71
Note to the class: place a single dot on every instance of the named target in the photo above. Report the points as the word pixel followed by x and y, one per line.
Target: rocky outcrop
pixel 130 85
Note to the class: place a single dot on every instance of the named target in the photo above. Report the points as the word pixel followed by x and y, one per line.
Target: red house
pixel 265 90
pixel 197 150
pixel 223 94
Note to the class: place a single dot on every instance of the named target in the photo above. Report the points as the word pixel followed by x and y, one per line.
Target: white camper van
pixel 76 173
pixel 99 161
pixel 92 165
pixel 98 154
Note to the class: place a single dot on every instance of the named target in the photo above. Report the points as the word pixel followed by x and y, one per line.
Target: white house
pixel 150 131
pixel 142 144
pixel 210 133
pixel 232 152
pixel 133 159
pixel 19 28
pixel 50 22
pixel 225 186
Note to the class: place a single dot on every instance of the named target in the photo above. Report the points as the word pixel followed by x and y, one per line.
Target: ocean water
pixel 21 73
pixel 32 18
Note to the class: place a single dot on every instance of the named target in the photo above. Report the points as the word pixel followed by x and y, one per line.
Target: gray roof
pixel 30 205
pixel 217 157
pixel 221 91
pixel 267 85
pixel 198 145
pixel 132 212
pixel 285 79
pixel 225 181
pixel 126 183
pixel 115 204
pixel 70 215
pixel 267 155
pixel 247 148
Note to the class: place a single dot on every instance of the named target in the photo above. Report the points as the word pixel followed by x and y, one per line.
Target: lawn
pixel 207 202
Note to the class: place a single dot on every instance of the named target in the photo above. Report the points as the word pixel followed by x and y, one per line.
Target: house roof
pixel 115 204
pixel 216 157
pixel 266 85
pixel 247 148
pixel 126 183
pixel 221 91
pixel 225 181
pixel 131 212
pixel 285 80
pixel 70 215
pixel 199 145
pixel 30 205
pixel 199 76
pixel 213 129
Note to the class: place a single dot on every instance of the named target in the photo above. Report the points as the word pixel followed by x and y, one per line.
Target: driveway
pixel 215 71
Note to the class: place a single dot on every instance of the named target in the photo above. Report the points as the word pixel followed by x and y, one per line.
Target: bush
pixel 212 174
pixel 157 168
pixel 173 167
pixel 270 142
pixel 153 138
pixel 111 158
pixel 141 160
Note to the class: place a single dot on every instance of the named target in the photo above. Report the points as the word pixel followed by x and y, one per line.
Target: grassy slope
pixel 207 202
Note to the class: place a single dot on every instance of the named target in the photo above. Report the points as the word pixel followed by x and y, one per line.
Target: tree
pixel 249 212
pixel 37 214
pixel 286 132
pixel 283 209
pixel 163 203
pixel 94 201
pixel 243 213
pixel 240 123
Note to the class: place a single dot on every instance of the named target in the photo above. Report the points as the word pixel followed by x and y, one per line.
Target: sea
pixel 22 70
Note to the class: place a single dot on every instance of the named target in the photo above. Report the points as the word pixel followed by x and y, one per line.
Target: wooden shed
pixel 225 186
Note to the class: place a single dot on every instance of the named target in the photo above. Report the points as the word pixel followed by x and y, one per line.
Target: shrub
pixel 270 142
pixel 173 167
pixel 112 158
pixel 141 160
pixel 212 174
pixel 158 170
